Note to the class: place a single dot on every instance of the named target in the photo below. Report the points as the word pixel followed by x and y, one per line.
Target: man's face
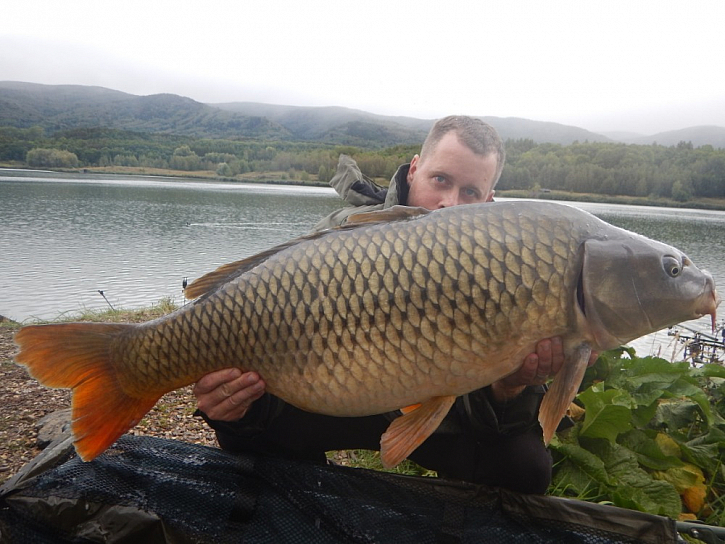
pixel 451 174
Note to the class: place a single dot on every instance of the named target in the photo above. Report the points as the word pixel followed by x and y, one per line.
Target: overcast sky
pixel 630 65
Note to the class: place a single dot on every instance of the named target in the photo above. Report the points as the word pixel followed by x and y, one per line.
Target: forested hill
pixel 58 108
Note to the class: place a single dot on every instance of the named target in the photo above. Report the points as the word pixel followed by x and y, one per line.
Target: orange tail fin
pixel 78 356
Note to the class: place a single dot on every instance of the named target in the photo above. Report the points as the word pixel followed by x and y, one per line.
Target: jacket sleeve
pixel 241 434
pixel 356 189
pixel 353 186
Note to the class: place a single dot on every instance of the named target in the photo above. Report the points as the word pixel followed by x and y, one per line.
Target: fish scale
pixel 398 308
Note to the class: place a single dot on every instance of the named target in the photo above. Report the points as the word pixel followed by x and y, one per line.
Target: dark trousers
pixel 518 461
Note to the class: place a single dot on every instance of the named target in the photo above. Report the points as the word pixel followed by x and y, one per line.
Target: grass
pixel 121 315
pixel 371 460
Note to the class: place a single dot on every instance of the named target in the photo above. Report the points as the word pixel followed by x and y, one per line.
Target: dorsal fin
pixel 227 272
pixel 394 213
pixel 213 280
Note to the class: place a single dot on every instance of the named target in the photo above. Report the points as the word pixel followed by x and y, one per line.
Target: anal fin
pixel 410 430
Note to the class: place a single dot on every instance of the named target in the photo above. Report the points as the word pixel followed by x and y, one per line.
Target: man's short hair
pixel 477 135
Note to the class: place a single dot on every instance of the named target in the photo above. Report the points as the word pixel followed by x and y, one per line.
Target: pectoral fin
pixel 563 389
pixel 411 429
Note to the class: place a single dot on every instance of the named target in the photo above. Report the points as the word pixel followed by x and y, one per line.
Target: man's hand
pixel 226 395
pixel 538 367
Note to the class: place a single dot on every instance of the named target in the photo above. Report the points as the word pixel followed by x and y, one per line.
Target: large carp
pixel 397 308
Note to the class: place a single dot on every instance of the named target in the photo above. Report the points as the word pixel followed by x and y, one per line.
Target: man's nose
pixel 448 200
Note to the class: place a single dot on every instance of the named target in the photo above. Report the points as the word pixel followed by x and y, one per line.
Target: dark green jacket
pixel 362 193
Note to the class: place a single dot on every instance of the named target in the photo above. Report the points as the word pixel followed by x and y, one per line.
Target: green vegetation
pixel 650 437
pixel 119 315
pixel 646 174
pixel 679 172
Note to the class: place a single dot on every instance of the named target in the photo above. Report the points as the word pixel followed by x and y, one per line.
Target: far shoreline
pixel 278 178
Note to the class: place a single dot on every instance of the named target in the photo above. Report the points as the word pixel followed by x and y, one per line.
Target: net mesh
pixel 147 489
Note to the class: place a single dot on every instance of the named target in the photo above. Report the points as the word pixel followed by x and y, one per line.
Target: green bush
pixel 651 437
pixel 51 158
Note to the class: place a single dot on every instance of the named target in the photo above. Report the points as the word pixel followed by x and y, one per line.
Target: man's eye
pixel 440 179
pixel 470 193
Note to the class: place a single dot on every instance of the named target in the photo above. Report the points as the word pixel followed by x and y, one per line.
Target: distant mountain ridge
pixel 63 107
pixel 698 136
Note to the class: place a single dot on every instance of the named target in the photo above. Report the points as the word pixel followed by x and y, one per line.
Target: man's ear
pixel 490 196
pixel 413 168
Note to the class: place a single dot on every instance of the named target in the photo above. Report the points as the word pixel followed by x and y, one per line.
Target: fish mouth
pixel 710 300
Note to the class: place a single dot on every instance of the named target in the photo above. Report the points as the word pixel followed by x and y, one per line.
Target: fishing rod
pixel 104 298
pixel 710 534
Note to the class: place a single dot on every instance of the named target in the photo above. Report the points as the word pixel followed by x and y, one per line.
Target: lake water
pixel 67 237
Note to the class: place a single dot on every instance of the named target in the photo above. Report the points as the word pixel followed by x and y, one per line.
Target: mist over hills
pixel 62 107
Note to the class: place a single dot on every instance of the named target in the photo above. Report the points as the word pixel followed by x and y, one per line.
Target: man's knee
pixel 520 463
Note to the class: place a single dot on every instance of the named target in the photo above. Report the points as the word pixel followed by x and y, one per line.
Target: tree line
pixel 680 172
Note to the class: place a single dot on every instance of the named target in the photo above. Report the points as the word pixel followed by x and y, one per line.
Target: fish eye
pixel 672 266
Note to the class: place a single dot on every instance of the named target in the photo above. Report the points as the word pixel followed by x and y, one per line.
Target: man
pixel 490 436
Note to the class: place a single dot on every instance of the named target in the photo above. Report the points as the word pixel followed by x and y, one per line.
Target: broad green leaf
pixel 706 456
pixel 586 461
pixel 705 450
pixel 683 388
pixel 617 459
pixel 714 436
pixel 653 370
pixel 570 480
pixel 710 371
pixel 642 415
pixel 608 413
pixel 609 363
pixel 635 488
pixel 646 379
pixel 652 496
pixel 677 413
pixel 648 450
pixel 676 416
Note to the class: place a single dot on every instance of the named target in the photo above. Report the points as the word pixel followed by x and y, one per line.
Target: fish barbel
pixel 397 308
